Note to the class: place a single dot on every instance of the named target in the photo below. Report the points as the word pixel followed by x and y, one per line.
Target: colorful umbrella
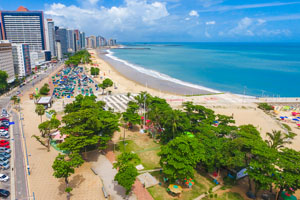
pixel 175 188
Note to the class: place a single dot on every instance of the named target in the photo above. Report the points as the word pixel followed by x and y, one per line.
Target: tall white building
pixel 6 60
pixel 21 58
pixel 24 27
pixel 51 37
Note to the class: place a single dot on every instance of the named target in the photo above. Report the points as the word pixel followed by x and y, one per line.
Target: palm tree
pixel 277 139
pixel 40 110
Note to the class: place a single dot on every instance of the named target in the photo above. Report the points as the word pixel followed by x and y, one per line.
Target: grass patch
pixel 159 192
pixel 147 152
pixel 225 196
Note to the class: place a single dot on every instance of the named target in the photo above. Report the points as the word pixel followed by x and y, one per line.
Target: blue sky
pixel 175 20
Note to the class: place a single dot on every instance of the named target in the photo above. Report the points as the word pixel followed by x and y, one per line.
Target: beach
pixel 243 109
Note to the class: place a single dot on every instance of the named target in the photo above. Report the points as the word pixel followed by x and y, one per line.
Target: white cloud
pixel 261 21
pixel 209 3
pixel 194 13
pixel 247 6
pixel 255 27
pixel 133 16
pixel 187 18
pixel 210 23
pixel 243 27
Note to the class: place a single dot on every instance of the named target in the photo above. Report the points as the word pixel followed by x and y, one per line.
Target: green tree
pixel 15 99
pixel 127 172
pixel 180 156
pixel 93 71
pixel 131 115
pixel 45 128
pixel 97 71
pixel 105 84
pixel 64 166
pixel 45 89
pixel 261 167
pixel 40 110
pixel 3 81
pixel 287 176
pixel 126 177
pixel 277 139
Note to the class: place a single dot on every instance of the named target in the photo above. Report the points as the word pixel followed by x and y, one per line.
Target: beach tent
pixel 287 196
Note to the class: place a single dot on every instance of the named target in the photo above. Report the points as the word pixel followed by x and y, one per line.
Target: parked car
pixel 6 136
pixel 4 119
pixel 2 131
pixel 4 149
pixel 5 145
pixel 4 193
pixel 4 142
pixel 4 160
pixel 5 123
pixel 3 178
pixel 4 155
pixel 4 165
pixel 3 128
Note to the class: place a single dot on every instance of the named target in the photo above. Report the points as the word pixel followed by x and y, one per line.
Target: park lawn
pixel 147 151
pixel 227 196
pixel 201 186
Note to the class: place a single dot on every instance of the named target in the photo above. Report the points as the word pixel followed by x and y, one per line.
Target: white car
pixel 2 131
pixel 3 178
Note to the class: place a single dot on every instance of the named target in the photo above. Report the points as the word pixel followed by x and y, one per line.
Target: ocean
pixel 256 69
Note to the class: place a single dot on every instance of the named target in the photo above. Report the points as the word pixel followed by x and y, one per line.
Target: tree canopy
pixel 3 81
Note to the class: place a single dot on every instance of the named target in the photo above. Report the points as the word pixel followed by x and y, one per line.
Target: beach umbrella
pixel 189 182
pixel 175 188
pixel 287 196
pixel 298 125
pixel 295 119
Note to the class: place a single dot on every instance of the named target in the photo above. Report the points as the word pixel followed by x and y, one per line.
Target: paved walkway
pixel 105 171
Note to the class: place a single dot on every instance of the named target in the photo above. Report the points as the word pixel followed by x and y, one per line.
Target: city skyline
pixel 175 20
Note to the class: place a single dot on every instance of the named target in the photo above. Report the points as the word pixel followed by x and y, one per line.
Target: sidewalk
pixel 105 171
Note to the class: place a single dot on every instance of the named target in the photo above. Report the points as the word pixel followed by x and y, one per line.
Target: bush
pixel 229 181
pixel 265 106
pixel 45 89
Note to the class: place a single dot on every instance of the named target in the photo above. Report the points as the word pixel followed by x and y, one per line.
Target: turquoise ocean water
pixel 268 69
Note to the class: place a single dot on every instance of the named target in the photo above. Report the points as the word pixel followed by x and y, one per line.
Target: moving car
pixel 3 178
pixel 4 193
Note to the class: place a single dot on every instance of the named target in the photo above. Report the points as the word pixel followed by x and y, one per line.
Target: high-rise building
pixel 82 40
pixel 6 60
pixel 71 40
pixel 51 37
pixel 91 42
pixel 112 42
pixel 77 40
pixel 24 27
pixel 58 50
pixel 21 58
pixel 62 37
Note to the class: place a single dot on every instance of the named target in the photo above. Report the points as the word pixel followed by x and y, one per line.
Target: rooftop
pixel 22 9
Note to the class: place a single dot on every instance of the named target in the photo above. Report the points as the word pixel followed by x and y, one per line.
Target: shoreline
pixel 142 76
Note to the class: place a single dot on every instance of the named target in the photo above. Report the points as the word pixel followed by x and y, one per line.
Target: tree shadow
pixel 74 183
pixel 92 156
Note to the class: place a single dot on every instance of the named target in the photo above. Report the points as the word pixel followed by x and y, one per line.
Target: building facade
pixel 62 37
pixel 51 37
pixel 6 60
pixel 82 40
pixel 24 27
pixel 71 40
pixel 21 59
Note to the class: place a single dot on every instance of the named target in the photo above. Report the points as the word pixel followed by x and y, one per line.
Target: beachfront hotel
pixel 24 27
pixel 6 60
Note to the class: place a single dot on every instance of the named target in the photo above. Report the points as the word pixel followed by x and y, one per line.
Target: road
pixel 20 164
pixel 21 187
